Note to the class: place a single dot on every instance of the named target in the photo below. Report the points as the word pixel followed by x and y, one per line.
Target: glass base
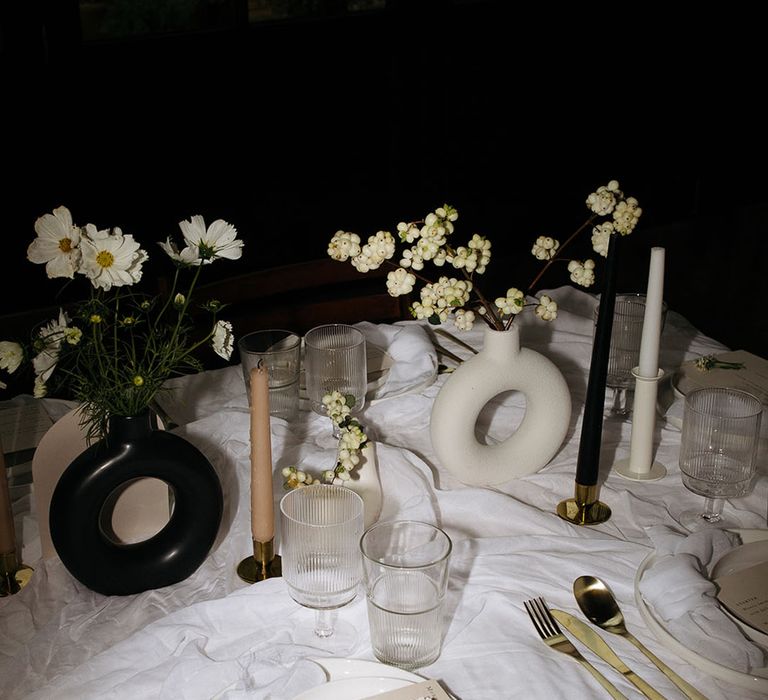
pixel 621 403
pixel 697 520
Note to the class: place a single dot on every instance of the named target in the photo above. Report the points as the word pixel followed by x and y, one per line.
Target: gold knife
pixel 585 634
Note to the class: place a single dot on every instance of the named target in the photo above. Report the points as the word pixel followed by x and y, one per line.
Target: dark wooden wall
pixel 293 130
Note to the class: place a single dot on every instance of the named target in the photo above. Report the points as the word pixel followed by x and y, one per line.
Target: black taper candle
pixel 588 465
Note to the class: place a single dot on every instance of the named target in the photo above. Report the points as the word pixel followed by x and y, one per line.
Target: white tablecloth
pixel 214 636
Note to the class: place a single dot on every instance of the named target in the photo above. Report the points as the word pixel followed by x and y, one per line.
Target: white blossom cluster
pixel 336 407
pixel 547 308
pixel 429 241
pixel 545 248
pixel 609 199
pixel 439 299
pixel 351 441
pixel 512 303
pixel 582 273
pixel 474 258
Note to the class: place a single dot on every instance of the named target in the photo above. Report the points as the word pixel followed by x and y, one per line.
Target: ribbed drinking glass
pixel 718 451
pixel 624 353
pixel 321 527
pixel 335 360
pixel 405 571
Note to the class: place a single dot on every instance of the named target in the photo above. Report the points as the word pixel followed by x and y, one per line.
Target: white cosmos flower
pixel 111 260
pixel 48 344
pixel 188 256
pixel 219 240
pixel 223 339
pixel 11 355
pixel 56 244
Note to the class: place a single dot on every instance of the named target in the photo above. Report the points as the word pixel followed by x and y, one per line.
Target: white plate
pixel 338 669
pixel 738 559
pixel 353 679
pixel 757 681
pixel 353 688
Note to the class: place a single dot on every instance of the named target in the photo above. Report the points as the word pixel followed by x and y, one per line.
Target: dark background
pixel 295 128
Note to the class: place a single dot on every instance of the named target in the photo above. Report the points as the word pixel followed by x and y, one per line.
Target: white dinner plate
pixel 738 559
pixel 353 688
pixel 757 681
pixel 354 679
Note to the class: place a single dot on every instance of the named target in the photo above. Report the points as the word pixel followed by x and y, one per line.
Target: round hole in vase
pixel 489 428
pixel 502 365
pixel 128 508
pixel 133 450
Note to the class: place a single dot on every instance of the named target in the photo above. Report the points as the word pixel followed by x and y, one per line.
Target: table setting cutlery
pixel 599 646
pixel 600 607
pixel 548 630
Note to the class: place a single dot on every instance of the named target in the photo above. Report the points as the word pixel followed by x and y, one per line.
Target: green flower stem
pixel 168 299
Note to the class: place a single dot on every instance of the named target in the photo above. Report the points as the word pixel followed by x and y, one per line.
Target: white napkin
pixel 195 396
pixel 678 588
pixel 415 360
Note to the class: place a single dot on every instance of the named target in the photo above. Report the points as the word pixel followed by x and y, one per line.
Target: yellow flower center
pixel 105 258
pixel 138 380
pixel 65 245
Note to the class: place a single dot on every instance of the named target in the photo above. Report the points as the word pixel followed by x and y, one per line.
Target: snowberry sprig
pixel 460 297
pixel 708 362
pixel 352 439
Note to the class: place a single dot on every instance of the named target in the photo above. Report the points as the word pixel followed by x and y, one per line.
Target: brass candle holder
pixel 262 565
pixel 13 574
pixel 584 508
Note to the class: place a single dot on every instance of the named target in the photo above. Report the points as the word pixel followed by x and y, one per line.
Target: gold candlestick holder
pixel 13 575
pixel 584 508
pixel 262 565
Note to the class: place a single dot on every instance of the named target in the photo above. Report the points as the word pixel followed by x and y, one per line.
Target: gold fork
pixel 549 631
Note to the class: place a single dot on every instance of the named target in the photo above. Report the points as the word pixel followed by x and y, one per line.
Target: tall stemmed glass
pixel 718 451
pixel 335 360
pixel 624 354
pixel 321 526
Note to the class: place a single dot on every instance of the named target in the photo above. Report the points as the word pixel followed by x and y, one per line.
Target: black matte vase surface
pixel 131 450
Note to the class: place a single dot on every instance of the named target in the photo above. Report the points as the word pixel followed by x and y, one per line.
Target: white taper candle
pixel 650 340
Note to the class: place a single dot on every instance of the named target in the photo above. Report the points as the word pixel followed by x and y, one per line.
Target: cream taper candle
pixel 651 337
pixel 262 504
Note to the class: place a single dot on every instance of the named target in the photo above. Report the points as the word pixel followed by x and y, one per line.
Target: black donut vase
pixel 80 510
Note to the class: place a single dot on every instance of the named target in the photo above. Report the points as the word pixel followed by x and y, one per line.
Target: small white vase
pixel 502 365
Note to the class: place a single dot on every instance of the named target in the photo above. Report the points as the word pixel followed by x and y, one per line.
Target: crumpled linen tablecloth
pixel 212 636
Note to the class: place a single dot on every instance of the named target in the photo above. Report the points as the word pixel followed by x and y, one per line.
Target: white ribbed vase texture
pixel 502 365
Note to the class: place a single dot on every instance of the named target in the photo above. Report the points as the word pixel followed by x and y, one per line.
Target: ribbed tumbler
pixel 405 572
pixel 335 360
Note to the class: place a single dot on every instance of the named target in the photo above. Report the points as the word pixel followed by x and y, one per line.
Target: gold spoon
pixel 600 607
